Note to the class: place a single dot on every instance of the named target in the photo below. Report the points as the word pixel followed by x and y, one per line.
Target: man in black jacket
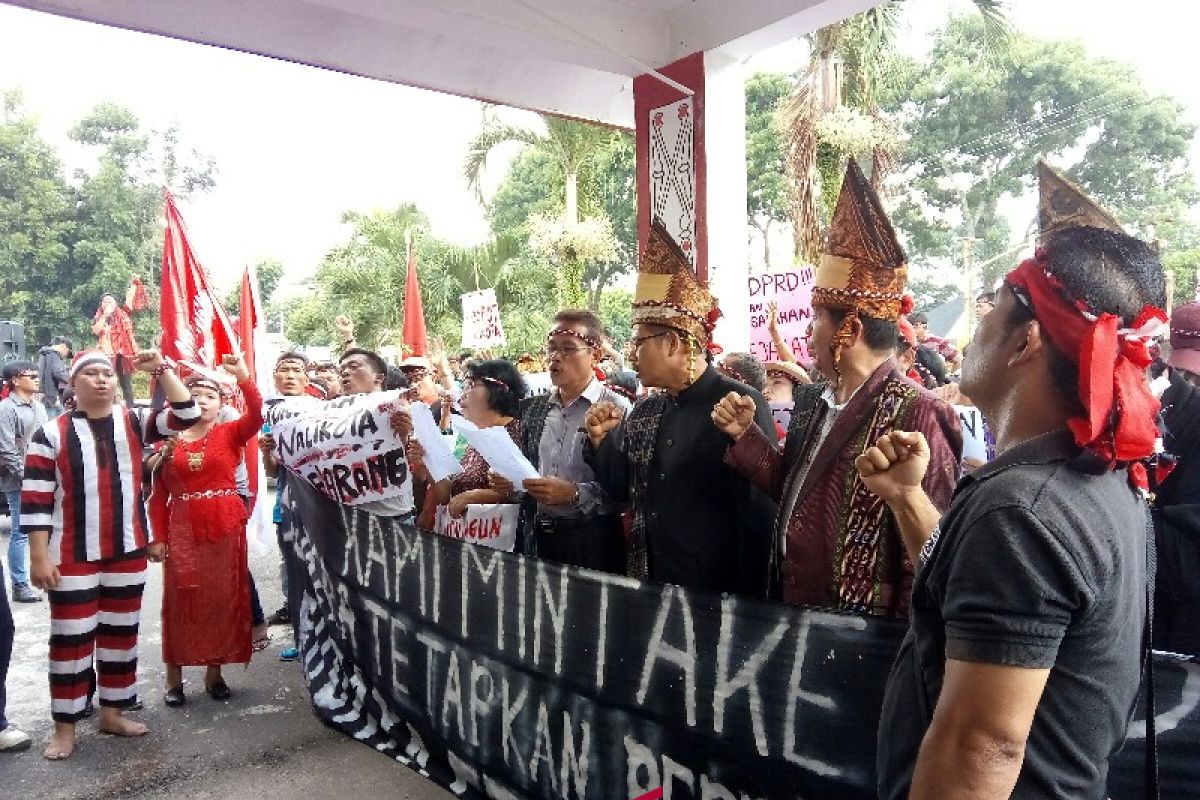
pixel 694 520
pixel 52 373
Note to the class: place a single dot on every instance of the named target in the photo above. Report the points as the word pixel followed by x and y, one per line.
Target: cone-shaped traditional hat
pixel 863 267
pixel 668 292
pixel 1062 205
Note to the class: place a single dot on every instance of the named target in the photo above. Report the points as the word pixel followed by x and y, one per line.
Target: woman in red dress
pixel 198 523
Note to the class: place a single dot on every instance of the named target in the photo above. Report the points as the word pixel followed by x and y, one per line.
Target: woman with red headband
pixel 198 522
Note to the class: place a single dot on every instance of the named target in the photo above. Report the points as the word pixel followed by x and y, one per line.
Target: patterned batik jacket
pixel 837 545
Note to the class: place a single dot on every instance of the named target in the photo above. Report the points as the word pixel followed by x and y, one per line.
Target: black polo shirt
pixel 1039 564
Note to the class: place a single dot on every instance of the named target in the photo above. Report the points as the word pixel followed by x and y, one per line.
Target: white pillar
pixel 728 245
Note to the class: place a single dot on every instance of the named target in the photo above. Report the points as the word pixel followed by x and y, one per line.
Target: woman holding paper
pixel 198 530
pixel 491 396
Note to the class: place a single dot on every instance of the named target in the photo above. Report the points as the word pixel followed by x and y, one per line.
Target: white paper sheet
pixel 439 458
pixel 974 445
pixel 498 450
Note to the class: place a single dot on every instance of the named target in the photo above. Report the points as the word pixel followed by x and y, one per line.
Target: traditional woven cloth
pixel 641 432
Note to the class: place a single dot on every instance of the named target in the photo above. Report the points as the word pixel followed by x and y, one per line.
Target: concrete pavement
pixel 263 743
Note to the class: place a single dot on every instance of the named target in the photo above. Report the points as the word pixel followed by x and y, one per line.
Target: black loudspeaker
pixel 12 342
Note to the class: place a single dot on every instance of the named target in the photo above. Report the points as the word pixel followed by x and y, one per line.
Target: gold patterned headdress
pixel 1062 205
pixel 668 292
pixel 863 267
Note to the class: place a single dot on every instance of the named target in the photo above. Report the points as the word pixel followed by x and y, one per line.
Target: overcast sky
pixel 296 146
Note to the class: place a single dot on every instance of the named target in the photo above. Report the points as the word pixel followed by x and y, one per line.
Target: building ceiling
pixel 575 58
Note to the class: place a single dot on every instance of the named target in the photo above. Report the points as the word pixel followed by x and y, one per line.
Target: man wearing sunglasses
pixel 1020 670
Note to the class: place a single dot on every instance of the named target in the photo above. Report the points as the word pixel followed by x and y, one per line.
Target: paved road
pixel 263 743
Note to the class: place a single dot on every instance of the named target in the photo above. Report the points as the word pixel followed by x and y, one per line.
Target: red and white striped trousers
pixel 95 611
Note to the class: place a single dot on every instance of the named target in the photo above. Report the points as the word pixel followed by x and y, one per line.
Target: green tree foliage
pixel 364 279
pixel 63 245
pixel 978 126
pixel 268 272
pixel 35 228
pixel 1184 266
pixel 575 170
pixel 766 170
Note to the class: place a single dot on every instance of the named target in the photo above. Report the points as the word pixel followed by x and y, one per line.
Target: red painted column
pixel 669 133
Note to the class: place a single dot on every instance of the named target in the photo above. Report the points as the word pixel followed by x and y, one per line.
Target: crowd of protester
pixel 675 470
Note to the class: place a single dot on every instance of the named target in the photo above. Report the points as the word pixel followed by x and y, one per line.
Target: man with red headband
pixel 694 520
pixel 566 515
pixel 1021 666
pixel 837 545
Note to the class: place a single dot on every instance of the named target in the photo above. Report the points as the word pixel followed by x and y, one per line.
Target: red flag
pixel 195 328
pixel 414 337
pixel 250 331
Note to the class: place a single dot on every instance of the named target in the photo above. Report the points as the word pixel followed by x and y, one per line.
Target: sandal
pixel 260 644
pixel 219 691
pixel 175 697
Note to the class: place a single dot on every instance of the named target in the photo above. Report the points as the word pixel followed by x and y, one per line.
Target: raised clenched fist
pixel 895 465
pixel 734 414
pixel 601 418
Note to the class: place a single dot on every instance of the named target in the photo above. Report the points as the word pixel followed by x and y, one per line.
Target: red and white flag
pixel 252 333
pixel 195 328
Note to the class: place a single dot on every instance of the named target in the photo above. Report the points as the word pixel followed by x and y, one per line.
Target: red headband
pixel 1119 422
pixel 731 372
pixel 590 341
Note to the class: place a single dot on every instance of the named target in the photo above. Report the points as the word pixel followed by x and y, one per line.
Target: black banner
pixel 506 677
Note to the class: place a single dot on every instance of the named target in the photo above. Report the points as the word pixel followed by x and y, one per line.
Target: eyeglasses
pixel 1021 296
pixel 471 383
pixel 638 341
pixel 561 350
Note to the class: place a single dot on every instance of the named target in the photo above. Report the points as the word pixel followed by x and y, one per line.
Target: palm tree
pixel 571 145
pixel 833 113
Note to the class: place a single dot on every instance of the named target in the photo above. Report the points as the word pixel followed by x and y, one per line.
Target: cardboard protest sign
pixel 481 320
pixel 974 444
pixel 791 290
pixel 345 447
pixel 782 413
pixel 492 525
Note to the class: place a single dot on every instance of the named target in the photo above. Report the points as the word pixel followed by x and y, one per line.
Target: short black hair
pixel 932 361
pixel 378 365
pixel 750 369
pixel 1110 273
pixel 986 297
pixel 879 334
pixel 503 383
pixel 292 355
pixel 626 380
pixel 396 379
pixel 63 340
pixel 581 316
pixel 13 367
pixel 918 318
